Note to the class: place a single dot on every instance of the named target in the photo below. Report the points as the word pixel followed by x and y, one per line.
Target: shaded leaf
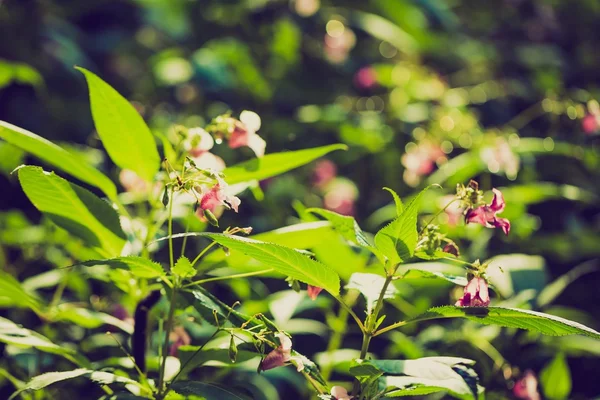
pixel 207 390
pixel 183 268
pixel 140 267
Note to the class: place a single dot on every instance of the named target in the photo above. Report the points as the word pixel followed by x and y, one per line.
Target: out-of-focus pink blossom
pixel 132 182
pixel 476 294
pixel 313 291
pixel 339 393
pixel 590 123
pixel 501 157
pixel 178 337
pixel 198 142
pixel 365 78
pixel 338 47
pixel 244 133
pixel 281 356
pixel 208 160
pixel 218 195
pixel 340 195
pixel 486 215
pixel 420 161
pixel 526 387
pixel 325 171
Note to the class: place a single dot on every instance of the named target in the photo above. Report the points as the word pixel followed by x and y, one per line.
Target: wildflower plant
pixel 133 242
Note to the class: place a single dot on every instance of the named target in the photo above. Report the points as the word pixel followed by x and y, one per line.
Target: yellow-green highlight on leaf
pixel 74 209
pixel 275 164
pixel 140 267
pixel 57 157
pixel 124 133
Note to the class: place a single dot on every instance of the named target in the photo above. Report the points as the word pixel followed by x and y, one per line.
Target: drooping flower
pixel 476 294
pixel 526 387
pixel 198 142
pixel 339 393
pixel 244 133
pixel 178 337
pixel 218 195
pixel 313 291
pixel 486 214
pixel 281 356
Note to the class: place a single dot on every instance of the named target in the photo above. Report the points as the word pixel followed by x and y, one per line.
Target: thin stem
pixel 187 229
pixel 202 253
pixel 390 327
pixel 168 327
pixel 349 309
pixel 379 304
pixel 59 291
pixel 339 328
pixel 171 230
pixel 137 368
pixel 435 216
pixel 223 278
pixel 365 345
pixel 456 260
pixel 526 116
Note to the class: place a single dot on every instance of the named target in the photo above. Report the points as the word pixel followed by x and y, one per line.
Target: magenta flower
pixel 218 195
pixel 313 291
pixel 526 387
pixel 590 123
pixel 486 215
pixel 476 294
pixel 281 356
pixel 339 393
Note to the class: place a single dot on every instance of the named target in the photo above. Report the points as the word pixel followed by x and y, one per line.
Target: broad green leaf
pixel 415 274
pixel 49 378
pixel 183 268
pixel 11 333
pixel 57 157
pixel 397 201
pixel 437 254
pixel 345 225
pixel 89 319
pixel 12 294
pixel 511 318
pixel 275 164
pixel 140 267
pixel 285 260
pixel 555 378
pixel 370 286
pixel 398 239
pixel 74 209
pixel 207 390
pixel 124 133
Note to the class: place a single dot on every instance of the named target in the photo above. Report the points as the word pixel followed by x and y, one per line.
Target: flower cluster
pixel 239 133
pixel 479 212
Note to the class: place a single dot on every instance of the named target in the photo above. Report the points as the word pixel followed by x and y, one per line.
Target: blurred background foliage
pixel 421 91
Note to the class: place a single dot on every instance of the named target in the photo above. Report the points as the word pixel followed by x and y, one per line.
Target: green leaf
pixel 554 289
pixel 140 267
pixel 398 239
pixel 275 164
pixel 345 225
pixel 89 319
pixel 207 390
pixel 511 318
pixel 57 157
pixel 397 201
pixel 12 294
pixel 285 260
pixel 183 268
pixel 370 286
pixel 124 133
pixel 74 209
pixel 47 379
pixel 555 378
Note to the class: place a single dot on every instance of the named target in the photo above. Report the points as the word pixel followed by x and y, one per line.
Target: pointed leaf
pixel 398 239
pixel 56 156
pixel 511 318
pixel 124 133
pixel 345 225
pixel 275 164
pixel 74 209
pixel 183 268
pixel 12 294
pixel 397 201
pixel 140 267
pixel 555 378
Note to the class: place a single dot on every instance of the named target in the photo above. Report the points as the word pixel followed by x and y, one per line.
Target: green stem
pixel 223 278
pixel 339 329
pixel 390 327
pixel 171 230
pixel 525 117
pixel 165 349
pixel 187 229
pixel 202 253
pixel 435 216
pixel 349 309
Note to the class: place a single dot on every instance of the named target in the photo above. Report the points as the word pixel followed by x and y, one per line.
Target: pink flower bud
pixel 313 291
pixel 476 294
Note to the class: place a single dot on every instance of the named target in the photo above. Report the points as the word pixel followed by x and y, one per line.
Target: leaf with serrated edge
pixel 397 201
pixel 140 267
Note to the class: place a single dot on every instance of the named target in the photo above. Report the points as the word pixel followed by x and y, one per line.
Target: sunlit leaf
pixel 140 267
pixel 183 268
pixel 555 378
pixel 124 133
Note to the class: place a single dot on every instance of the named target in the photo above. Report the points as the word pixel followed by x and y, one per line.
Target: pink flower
pixel 340 195
pixel 590 124
pixel 218 195
pixel 365 78
pixel 313 291
pixel 486 215
pixel 325 171
pixel 179 337
pixel 198 142
pixel 476 294
pixel 339 393
pixel 420 160
pixel 526 387
pixel 244 133
pixel 281 356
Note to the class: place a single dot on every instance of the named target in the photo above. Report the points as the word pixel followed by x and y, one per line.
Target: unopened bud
pixel 233 350
pixel 210 217
pixel 165 197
